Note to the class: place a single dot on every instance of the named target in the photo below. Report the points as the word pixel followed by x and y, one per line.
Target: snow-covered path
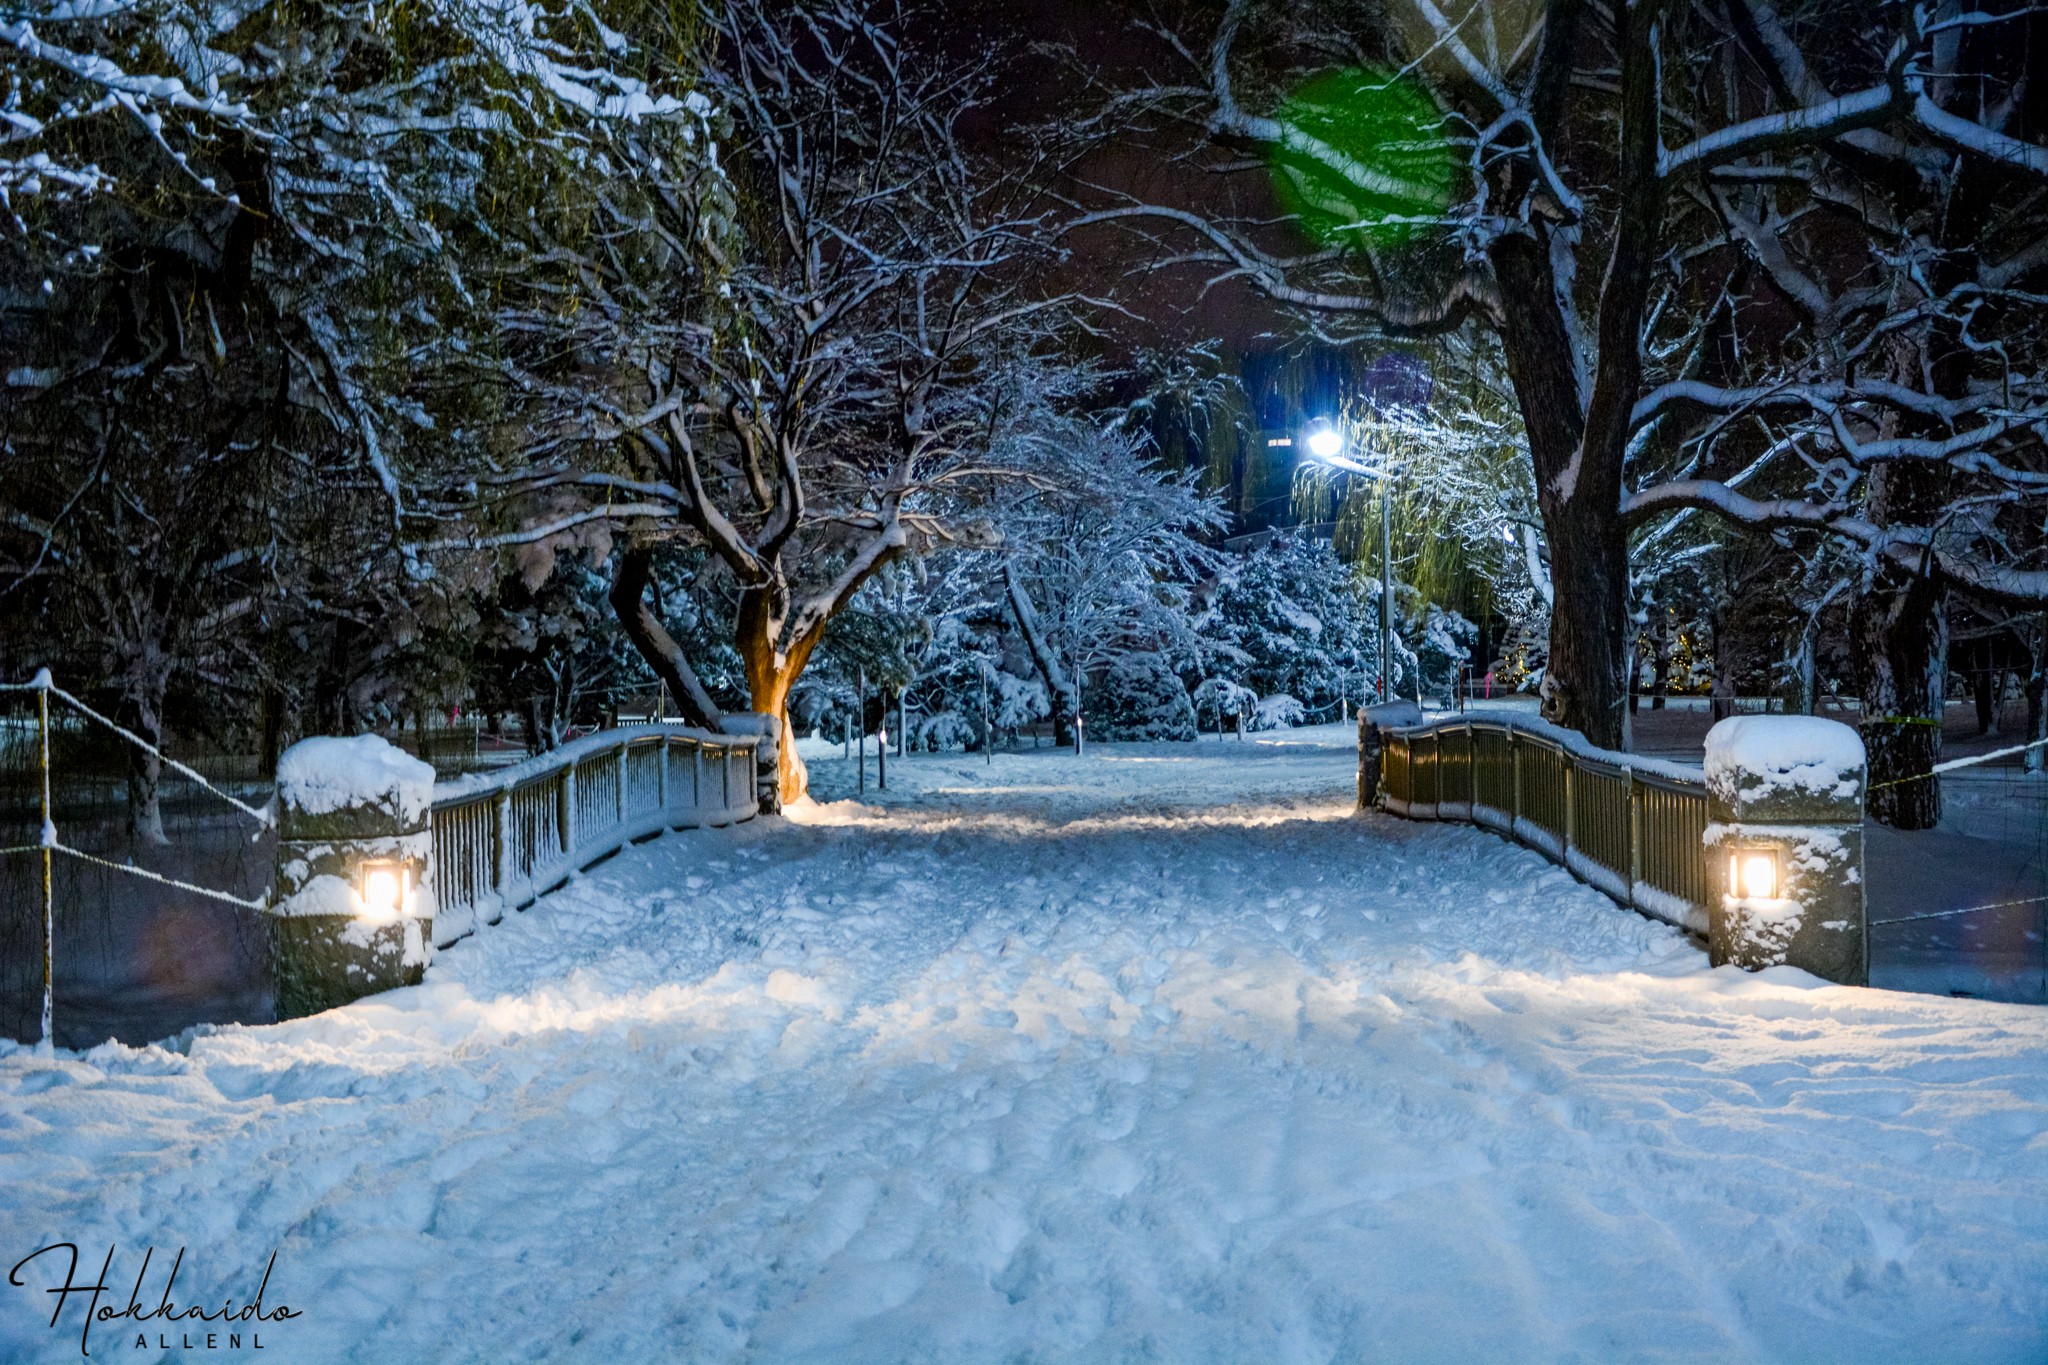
pixel 1159 1054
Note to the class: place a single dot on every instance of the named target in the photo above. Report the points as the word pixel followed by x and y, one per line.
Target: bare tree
pixel 1600 149
pixel 794 322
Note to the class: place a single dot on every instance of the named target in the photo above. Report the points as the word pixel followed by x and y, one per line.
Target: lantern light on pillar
pixel 1753 873
pixel 384 886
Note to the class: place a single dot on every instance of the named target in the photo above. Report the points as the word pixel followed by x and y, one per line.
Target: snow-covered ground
pixel 1158 1054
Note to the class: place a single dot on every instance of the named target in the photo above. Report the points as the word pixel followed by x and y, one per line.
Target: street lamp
pixel 1325 442
pixel 1326 446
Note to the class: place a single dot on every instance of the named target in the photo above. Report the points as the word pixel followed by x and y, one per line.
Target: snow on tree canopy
pixel 321 776
pixel 1755 755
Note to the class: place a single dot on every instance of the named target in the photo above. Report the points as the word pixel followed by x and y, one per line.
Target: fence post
pixel 354 906
pixel 1784 846
pixel 565 810
pixel 501 833
pixel 766 758
pixel 1571 801
pixel 1372 745
pixel 1635 837
pixel 1371 754
pixel 1471 767
pixel 47 838
pixel 625 752
pixel 1515 781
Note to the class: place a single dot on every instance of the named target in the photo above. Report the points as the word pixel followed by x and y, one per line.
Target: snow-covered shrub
pixel 1139 698
pixel 1219 702
pixel 1278 712
pixel 1443 644
pixel 1291 618
pixel 945 730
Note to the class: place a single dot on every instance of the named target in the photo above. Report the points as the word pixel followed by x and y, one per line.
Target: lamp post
pixel 1326 447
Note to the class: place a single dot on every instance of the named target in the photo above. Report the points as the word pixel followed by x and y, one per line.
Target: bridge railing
pixel 504 838
pixel 1631 826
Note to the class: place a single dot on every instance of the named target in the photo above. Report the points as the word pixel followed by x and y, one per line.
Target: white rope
pixel 1970 910
pixel 145 873
pixel 1955 763
pixel 43 683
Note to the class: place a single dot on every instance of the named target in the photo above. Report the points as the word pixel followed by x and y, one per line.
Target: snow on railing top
pixel 1571 741
pixel 472 785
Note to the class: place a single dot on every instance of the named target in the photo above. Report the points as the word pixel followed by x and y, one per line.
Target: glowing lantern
pixel 1753 874
pixel 385 888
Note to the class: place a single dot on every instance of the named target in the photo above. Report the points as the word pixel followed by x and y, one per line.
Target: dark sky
pixel 1103 35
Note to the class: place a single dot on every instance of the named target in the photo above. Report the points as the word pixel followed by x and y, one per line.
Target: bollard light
pixel 1753 874
pixel 384 886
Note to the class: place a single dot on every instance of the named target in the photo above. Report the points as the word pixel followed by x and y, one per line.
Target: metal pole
pixel 48 839
pixel 882 747
pixel 860 726
pixel 988 735
pixel 1075 664
pixel 1386 584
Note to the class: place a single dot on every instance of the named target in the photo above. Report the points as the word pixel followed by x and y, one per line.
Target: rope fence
pixel 45 689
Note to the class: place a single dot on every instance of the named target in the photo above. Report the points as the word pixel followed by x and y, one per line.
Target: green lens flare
pixel 1362 155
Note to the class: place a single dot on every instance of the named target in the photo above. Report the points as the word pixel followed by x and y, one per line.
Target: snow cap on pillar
pixel 1776 767
pixel 331 781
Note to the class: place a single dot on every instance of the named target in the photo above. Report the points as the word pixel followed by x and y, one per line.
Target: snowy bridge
pixel 1161 1053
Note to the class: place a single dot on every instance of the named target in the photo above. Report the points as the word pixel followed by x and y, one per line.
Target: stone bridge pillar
pixel 1784 844
pixel 353 912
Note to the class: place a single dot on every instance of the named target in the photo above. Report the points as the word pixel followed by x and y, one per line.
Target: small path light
pixel 354 907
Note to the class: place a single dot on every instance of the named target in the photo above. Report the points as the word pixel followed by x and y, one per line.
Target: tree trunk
pixel 1584 685
pixel 1984 684
pixel 1660 683
pixel 1588 634
pixel 2036 759
pixel 1897 632
pixel 536 737
pixel 1057 690
pixel 272 742
pixel 652 640
pixel 771 674
pixel 1723 687
pixel 1578 425
pixel 145 768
